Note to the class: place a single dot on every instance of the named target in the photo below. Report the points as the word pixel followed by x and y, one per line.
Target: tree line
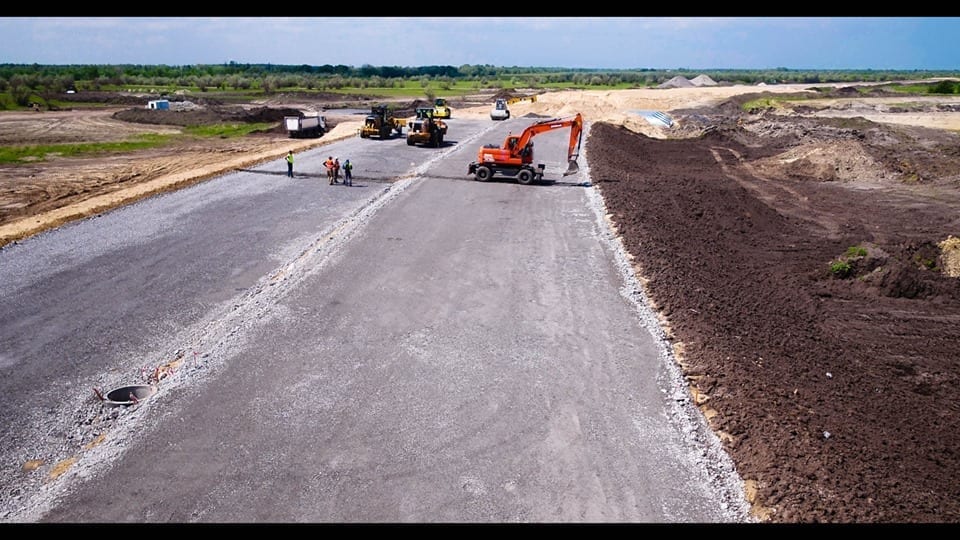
pixel 24 79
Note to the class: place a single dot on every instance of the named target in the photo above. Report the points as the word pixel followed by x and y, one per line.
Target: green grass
pixel 762 104
pixel 30 154
pixel 917 88
pixel 412 89
pixel 65 105
pixel 907 88
pixel 227 131
pixel 855 251
pixel 7 103
pixel 840 268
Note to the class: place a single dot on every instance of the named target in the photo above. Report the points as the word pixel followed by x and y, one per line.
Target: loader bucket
pixel 572 167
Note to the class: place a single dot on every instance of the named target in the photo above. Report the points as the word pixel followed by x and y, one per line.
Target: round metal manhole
pixel 129 395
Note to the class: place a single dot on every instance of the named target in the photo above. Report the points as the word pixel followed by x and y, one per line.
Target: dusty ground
pixel 835 393
pixel 36 197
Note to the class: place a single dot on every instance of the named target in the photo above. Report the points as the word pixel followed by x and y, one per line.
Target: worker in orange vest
pixel 329 165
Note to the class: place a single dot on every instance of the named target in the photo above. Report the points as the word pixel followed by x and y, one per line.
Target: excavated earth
pixel 805 267
pixel 836 393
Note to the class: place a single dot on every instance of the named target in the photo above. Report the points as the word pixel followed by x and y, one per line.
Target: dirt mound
pixel 205 116
pixel 503 94
pixel 833 387
pixel 110 98
pixel 703 80
pixel 677 82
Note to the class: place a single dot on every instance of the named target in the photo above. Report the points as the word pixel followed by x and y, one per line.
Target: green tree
pixel 943 87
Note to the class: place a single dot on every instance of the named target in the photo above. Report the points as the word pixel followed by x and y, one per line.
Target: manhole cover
pixel 129 395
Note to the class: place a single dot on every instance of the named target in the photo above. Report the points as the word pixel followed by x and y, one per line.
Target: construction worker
pixel 347 173
pixel 290 164
pixel 336 170
pixel 329 165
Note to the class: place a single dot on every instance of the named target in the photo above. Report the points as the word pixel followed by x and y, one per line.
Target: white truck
pixel 308 124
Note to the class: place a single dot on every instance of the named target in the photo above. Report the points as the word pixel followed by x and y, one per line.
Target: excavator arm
pixel 575 123
pixel 573 149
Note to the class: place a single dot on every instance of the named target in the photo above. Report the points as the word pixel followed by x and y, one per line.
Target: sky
pixel 827 43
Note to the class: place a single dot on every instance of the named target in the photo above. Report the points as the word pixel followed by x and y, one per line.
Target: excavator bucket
pixel 572 167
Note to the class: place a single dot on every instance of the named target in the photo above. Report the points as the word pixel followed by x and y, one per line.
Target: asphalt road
pixel 419 347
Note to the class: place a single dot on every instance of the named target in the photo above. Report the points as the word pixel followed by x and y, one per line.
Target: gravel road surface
pixel 420 347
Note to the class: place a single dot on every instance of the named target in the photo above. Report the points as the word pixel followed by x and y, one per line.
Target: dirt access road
pixel 834 392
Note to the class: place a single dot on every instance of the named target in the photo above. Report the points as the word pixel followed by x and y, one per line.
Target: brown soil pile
pixel 210 116
pixel 796 264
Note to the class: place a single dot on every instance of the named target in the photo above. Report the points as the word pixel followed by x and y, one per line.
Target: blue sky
pixel 881 43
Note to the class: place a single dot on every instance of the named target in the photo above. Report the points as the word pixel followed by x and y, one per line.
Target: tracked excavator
pixel 515 157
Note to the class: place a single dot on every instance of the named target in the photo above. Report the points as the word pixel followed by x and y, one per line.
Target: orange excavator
pixel 515 157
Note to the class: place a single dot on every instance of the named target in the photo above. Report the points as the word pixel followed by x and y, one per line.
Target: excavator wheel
pixel 483 173
pixel 525 176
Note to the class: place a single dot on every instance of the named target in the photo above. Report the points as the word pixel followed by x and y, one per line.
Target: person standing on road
pixel 347 173
pixel 290 164
pixel 336 170
pixel 329 165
